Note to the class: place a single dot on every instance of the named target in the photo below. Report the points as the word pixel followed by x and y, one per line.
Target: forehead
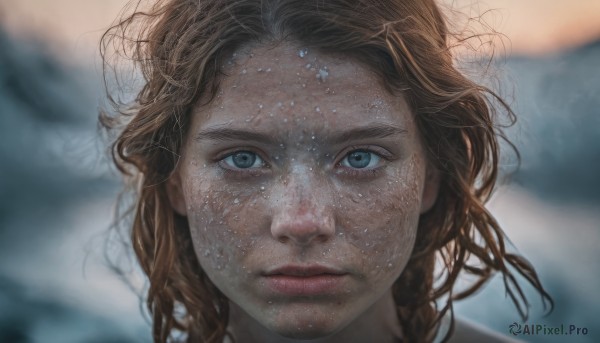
pixel 286 87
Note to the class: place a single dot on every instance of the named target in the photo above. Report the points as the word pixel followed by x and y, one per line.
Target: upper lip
pixel 303 270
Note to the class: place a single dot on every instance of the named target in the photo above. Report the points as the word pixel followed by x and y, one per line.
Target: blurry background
pixel 57 193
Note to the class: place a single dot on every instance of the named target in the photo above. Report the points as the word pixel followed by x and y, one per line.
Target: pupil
pixel 359 159
pixel 244 159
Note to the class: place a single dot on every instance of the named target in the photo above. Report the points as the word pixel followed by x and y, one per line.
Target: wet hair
pixel 179 47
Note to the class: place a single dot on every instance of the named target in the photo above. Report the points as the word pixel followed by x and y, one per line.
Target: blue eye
pixel 243 160
pixel 360 159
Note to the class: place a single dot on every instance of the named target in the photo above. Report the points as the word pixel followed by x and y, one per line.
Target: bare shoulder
pixel 466 331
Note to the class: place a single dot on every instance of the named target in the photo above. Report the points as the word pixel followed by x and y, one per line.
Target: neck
pixel 379 323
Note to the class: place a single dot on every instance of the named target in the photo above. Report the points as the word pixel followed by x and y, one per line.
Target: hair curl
pixel 179 46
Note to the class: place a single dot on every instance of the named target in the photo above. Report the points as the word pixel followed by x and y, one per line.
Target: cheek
pixel 382 220
pixel 218 216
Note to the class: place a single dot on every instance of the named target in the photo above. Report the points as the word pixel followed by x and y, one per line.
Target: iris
pixel 243 159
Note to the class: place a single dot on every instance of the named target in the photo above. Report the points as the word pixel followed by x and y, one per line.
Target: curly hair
pixel 179 47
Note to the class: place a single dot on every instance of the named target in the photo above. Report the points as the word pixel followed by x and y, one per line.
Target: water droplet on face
pixel 244 71
pixel 360 195
pixel 236 201
pixel 302 52
pixel 260 106
pixel 322 75
pixel 292 103
pixel 262 188
pixel 334 110
pixel 317 109
pixel 307 66
pixel 304 85
pixel 313 137
pixel 268 70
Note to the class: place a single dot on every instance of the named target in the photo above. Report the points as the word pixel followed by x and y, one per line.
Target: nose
pixel 303 214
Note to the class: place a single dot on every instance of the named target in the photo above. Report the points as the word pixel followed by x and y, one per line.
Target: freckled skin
pixel 303 206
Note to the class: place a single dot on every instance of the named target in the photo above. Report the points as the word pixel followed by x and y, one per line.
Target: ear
pixel 175 193
pixel 431 187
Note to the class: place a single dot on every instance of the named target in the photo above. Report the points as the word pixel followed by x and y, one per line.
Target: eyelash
pixel 345 170
pixel 363 172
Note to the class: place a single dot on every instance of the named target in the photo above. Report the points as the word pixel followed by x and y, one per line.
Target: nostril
pixel 283 239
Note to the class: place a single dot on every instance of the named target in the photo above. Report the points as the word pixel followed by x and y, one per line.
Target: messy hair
pixel 179 47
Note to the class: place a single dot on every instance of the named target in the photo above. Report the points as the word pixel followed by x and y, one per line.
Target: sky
pixel 533 27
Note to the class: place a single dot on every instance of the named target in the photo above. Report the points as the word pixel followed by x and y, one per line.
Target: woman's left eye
pixel 361 159
pixel 243 160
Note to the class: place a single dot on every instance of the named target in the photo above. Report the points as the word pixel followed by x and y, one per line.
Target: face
pixel 302 183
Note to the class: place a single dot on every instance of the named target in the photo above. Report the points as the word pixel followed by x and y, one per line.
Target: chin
pixel 303 332
pixel 306 327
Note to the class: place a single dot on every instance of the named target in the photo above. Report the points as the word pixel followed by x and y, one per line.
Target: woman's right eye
pixel 243 160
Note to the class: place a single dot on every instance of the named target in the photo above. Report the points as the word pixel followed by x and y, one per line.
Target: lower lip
pixel 305 285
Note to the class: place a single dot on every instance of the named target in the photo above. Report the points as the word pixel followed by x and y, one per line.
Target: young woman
pixel 299 167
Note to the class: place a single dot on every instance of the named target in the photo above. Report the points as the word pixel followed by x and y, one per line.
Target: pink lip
pixel 296 280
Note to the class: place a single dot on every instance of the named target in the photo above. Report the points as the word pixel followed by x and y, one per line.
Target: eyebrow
pixel 361 133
